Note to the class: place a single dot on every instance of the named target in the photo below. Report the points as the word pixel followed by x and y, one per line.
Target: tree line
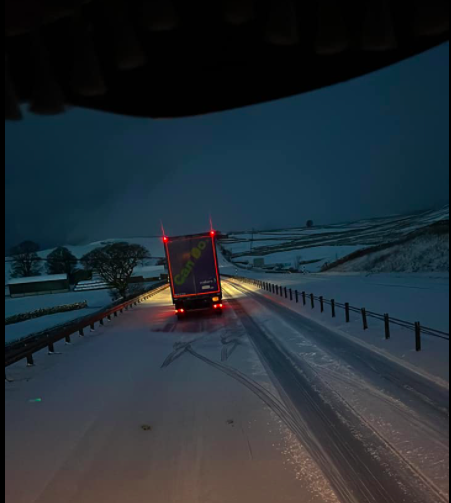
pixel 114 263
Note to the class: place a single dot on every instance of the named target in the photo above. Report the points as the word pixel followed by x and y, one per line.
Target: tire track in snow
pixel 320 427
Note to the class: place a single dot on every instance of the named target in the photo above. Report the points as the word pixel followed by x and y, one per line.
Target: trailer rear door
pixel 193 266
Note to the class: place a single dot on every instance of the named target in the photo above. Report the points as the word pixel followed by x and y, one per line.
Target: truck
pixel 194 273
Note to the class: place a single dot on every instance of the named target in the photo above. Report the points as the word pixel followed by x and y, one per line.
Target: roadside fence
pixel 305 299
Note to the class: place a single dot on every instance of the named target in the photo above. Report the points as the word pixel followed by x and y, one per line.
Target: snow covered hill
pixel 427 251
pixel 312 249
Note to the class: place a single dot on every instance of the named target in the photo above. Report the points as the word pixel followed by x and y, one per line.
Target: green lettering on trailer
pixel 196 253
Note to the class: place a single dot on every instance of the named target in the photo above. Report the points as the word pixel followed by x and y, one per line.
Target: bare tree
pixel 62 261
pixel 26 262
pixel 115 264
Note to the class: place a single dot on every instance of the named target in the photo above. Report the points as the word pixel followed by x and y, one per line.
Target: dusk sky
pixel 371 147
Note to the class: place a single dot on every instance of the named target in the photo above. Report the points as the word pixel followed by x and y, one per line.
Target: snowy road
pixel 394 443
pixel 261 405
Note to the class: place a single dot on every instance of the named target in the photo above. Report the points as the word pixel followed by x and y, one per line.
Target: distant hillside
pixel 425 250
pixel 314 249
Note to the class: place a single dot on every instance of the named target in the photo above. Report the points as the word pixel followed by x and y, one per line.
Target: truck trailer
pixel 194 273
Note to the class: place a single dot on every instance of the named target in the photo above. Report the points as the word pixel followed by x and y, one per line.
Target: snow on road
pixel 104 421
pixel 260 405
pixel 409 414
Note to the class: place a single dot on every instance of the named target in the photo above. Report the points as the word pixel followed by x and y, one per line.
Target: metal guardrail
pixel 27 347
pixel 303 297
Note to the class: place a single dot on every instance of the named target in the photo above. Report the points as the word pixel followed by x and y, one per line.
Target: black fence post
pixel 387 327
pixel 348 312
pixel 277 290
pixel 364 319
pixel 109 317
pixel 321 299
pixel 273 289
pixel 286 293
pixel 297 297
pixel 334 311
pixel 68 340
pixel 281 291
pixel 312 298
pixel 93 327
pixel 115 314
pixel 51 348
pixel 81 332
pixel 102 322
pixel 30 360
pixel 304 298
pixel 418 341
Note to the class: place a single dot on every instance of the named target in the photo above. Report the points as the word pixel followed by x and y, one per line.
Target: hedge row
pixel 18 318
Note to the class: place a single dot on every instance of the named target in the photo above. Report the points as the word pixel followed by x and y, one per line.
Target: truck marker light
pixel 165 239
pixel 215 299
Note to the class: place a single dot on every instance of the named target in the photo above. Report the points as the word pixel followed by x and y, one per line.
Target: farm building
pixel 39 285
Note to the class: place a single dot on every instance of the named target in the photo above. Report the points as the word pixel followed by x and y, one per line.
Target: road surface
pixel 260 405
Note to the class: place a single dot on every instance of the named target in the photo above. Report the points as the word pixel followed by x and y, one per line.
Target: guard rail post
pixel 364 319
pixel 387 327
pixel 418 341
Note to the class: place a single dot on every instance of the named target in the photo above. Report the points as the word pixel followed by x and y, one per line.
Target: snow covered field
pixel 96 299
pixel 312 248
pixel 154 245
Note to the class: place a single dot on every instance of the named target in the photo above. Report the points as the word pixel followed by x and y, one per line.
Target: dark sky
pixel 375 146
